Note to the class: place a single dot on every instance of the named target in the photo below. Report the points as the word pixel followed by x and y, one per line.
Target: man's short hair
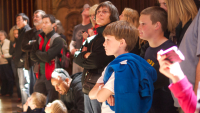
pixel 113 10
pixel 85 6
pixel 24 17
pixel 41 12
pixel 157 14
pixel 38 99
pixel 51 18
pixel 59 72
pixel 123 30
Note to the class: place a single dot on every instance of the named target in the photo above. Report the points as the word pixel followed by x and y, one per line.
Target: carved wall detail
pixel 69 13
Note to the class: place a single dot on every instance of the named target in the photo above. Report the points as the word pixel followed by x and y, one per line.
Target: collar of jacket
pixel 101 29
pixel 38 110
pixel 24 28
pixel 35 30
pixel 49 35
pixel 76 78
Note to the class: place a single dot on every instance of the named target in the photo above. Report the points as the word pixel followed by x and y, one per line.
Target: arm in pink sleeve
pixel 187 99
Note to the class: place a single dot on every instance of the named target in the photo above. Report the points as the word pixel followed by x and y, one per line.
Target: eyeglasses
pixel 103 12
pixel 92 15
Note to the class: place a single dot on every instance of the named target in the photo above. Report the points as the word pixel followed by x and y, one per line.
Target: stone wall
pixel 67 11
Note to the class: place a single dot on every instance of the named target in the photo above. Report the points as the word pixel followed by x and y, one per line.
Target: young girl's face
pixel 163 4
pixel 92 18
pixel 48 108
pixel 122 17
pixel 15 33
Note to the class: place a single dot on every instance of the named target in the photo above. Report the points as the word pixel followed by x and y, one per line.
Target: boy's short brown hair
pixel 38 99
pixel 157 14
pixel 123 30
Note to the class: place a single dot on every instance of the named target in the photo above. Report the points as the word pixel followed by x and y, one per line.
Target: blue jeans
pixel 16 78
pixel 24 81
pixel 32 80
pixel 91 106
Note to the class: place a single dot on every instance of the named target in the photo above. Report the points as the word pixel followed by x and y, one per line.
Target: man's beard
pixel 37 23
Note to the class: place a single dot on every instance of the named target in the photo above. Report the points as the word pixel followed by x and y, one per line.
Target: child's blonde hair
pixel 11 33
pixel 92 12
pixel 38 99
pixel 58 106
pixel 132 16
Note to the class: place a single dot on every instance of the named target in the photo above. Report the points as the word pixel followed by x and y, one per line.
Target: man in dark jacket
pixel 70 88
pixel 44 51
pixel 29 38
pixel 22 23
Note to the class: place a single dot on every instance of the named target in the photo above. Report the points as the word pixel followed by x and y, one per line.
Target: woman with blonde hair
pixel 180 15
pixel 11 33
pixel 13 37
pixel 93 30
pixel 92 14
pixel 57 106
pixel 132 17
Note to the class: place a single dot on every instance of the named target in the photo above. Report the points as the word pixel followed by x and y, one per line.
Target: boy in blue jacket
pixel 126 84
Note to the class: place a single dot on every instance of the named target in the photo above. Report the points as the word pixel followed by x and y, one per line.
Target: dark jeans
pixel 7 79
pixel 162 101
pixel 91 106
pixel 32 80
pixel 42 85
pixel 14 69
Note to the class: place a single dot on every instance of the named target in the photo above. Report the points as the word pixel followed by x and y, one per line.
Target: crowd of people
pixel 117 66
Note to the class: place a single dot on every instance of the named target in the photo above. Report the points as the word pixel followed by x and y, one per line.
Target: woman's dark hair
pixel 113 10
pixel 24 17
pixel 51 18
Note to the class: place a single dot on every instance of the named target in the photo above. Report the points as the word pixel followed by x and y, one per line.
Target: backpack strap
pixel 56 35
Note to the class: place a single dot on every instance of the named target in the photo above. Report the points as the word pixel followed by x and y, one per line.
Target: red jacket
pixel 52 50
pixel 49 67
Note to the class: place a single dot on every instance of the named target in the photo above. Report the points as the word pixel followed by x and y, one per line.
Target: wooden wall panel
pixel 45 5
pixel 138 5
pixel 197 3
pixel 10 8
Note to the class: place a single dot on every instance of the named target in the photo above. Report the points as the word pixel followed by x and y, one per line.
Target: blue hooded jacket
pixel 133 85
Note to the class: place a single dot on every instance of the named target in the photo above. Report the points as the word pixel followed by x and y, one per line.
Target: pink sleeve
pixel 187 99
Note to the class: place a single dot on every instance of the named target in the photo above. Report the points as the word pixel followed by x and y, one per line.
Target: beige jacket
pixel 4 50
